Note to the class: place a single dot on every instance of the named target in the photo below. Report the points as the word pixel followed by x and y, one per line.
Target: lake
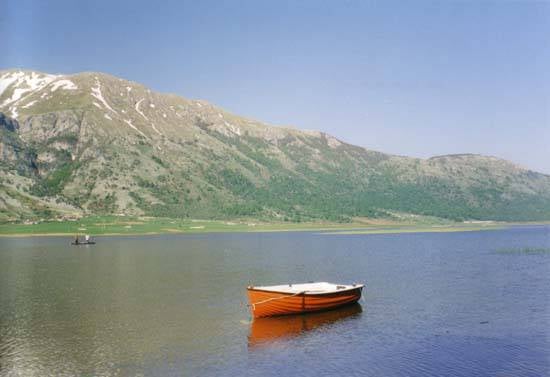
pixel 435 304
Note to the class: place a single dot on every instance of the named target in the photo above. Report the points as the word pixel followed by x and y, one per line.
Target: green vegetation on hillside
pixel 113 147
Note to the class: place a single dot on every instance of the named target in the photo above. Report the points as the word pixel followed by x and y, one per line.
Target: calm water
pixel 435 305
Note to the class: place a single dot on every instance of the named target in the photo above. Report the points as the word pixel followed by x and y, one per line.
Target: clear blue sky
pixel 417 78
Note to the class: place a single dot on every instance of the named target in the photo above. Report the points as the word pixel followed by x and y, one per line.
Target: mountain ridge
pixel 102 144
pixel 251 119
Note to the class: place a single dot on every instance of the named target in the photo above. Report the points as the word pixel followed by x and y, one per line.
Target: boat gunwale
pixel 308 293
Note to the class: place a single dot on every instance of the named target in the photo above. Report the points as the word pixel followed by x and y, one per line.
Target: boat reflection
pixel 267 329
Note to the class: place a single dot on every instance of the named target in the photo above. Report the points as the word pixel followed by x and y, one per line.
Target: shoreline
pixel 114 227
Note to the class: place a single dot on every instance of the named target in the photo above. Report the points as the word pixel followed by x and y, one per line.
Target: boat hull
pixel 267 303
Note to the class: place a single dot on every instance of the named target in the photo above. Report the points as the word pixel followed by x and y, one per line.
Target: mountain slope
pixel 99 144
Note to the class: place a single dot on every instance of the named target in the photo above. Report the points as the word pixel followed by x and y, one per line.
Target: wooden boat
pixel 263 330
pixel 275 300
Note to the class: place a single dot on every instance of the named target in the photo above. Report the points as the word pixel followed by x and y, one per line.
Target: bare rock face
pixel 14 152
pixel 42 127
pixel 8 123
pixel 10 144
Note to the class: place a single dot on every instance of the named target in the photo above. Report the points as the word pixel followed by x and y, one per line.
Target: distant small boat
pixel 87 241
pixel 266 301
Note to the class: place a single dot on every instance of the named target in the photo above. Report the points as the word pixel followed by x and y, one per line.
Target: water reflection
pixel 263 330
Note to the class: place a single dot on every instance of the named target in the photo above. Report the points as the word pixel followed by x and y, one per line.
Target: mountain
pixel 91 143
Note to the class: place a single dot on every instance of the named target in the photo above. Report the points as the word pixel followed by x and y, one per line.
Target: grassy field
pixel 112 225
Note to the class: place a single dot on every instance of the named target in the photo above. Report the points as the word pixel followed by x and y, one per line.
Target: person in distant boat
pixel 87 237
pixel 76 239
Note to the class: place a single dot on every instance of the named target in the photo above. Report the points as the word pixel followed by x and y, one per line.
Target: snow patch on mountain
pixel 63 84
pixel 236 130
pixel 29 104
pixel 154 128
pixel 129 122
pixel 96 92
pixel 24 83
pixel 6 80
pixel 138 110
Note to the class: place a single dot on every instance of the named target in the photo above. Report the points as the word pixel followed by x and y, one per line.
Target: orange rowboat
pixel 300 298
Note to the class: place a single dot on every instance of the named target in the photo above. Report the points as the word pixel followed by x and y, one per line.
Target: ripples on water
pixel 435 305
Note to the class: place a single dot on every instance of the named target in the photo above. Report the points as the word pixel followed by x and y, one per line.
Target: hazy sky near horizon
pixel 416 78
